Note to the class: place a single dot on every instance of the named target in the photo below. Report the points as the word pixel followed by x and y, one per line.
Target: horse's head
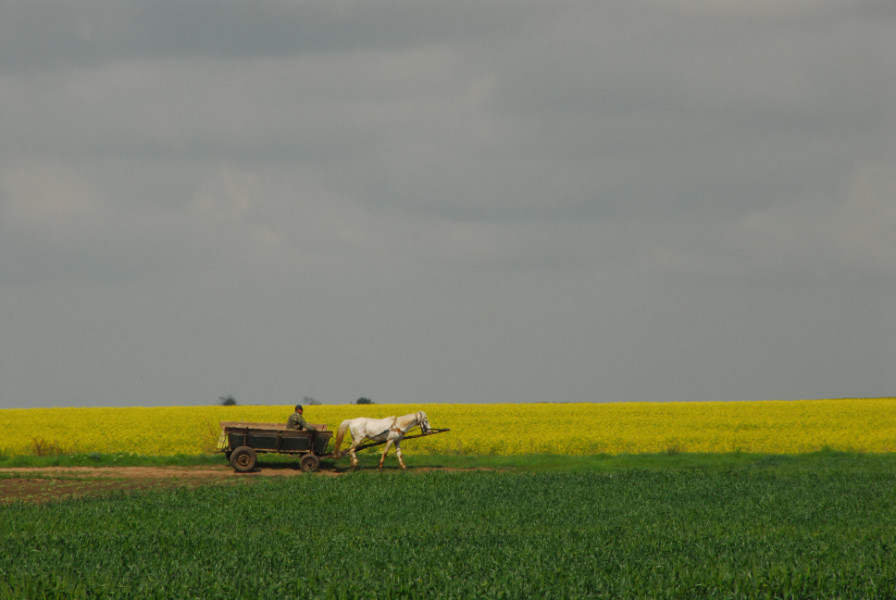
pixel 423 422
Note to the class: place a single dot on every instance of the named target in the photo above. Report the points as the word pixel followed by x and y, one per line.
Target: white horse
pixel 390 430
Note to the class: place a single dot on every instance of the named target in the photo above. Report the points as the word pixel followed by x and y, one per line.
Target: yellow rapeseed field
pixel 781 427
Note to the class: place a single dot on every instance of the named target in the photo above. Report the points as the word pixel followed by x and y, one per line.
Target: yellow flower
pixel 779 427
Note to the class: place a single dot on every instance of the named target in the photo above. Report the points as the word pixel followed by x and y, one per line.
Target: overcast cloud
pixel 446 201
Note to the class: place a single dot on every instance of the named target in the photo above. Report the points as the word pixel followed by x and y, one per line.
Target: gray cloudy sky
pixel 446 201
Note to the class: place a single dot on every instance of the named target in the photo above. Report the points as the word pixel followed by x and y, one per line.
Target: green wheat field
pixel 819 525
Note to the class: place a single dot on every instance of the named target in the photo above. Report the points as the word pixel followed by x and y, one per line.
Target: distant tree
pixel 363 401
pixel 308 400
pixel 227 400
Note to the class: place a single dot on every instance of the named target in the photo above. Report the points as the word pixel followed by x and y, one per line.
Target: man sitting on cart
pixel 297 421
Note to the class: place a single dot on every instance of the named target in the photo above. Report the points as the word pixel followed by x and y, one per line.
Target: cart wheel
pixel 243 459
pixel 309 463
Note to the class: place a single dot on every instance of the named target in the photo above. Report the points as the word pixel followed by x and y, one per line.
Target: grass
pixel 604 463
pixel 95 459
pixel 654 526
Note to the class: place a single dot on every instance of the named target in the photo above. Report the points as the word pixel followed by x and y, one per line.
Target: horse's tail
pixel 340 433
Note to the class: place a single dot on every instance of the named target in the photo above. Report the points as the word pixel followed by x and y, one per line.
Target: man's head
pixel 298 408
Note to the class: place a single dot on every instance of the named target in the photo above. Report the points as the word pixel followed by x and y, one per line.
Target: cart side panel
pixel 321 441
pixel 262 440
pixel 254 438
pixel 296 441
pixel 278 440
pixel 236 438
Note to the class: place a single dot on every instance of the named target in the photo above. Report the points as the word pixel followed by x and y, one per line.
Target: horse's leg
pixel 385 451
pixel 351 451
pixel 398 454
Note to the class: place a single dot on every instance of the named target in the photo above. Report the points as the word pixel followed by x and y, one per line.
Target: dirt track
pixel 40 484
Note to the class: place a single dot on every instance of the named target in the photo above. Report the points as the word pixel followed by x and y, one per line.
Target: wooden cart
pixel 242 442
